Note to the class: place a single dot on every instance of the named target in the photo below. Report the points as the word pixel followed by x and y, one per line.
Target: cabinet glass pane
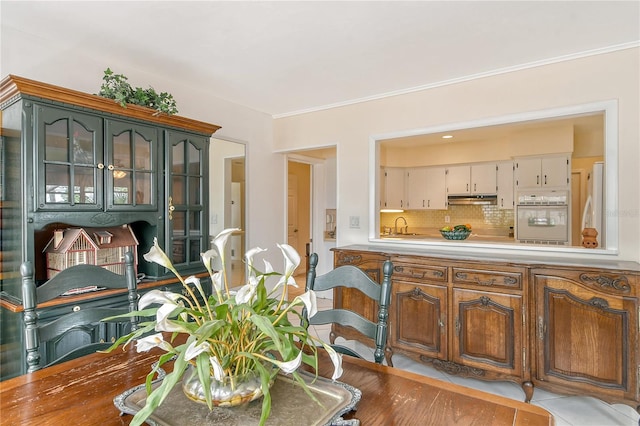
pixel 194 190
pixel 122 150
pixel 83 146
pixel 85 184
pixel 58 183
pixel 143 188
pixel 194 223
pixel 178 158
pixel 194 250
pixel 179 224
pixel 56 141
pixel 142 153
pixel 194 160
pixel 178 254
pixel 178 189
pixel 122 187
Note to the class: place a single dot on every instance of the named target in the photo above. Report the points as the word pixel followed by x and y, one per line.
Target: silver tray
pixel 290 405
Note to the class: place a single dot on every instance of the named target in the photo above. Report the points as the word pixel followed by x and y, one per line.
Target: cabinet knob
pixel 100 166
pixel 76 308
pixel 111 167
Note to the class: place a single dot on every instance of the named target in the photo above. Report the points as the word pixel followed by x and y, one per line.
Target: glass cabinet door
pixel 131 166
pixel 187 227
pixel 70 152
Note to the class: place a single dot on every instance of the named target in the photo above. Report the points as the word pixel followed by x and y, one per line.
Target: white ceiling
pixel 287 57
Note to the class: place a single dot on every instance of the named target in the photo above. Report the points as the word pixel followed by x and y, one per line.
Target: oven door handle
pixel 541 221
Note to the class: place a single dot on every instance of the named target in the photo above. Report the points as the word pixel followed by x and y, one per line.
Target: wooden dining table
pixel 81 392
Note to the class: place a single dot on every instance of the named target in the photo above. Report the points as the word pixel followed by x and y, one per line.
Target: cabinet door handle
pixel 545 179
pixel 440 323
pixel 537 179
pixel 474 187
pixel 171 208
pixel 457 326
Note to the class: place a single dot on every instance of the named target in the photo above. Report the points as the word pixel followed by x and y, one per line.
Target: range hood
pixel 466 200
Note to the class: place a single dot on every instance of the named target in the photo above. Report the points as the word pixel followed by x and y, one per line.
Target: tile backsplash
pixel 490 220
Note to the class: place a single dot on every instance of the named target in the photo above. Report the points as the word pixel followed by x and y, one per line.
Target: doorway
pixel 299 209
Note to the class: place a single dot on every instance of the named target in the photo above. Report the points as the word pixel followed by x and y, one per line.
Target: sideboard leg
pixel 527 387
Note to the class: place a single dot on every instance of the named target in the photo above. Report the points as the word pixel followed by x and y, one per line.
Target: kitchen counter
pixel 437 236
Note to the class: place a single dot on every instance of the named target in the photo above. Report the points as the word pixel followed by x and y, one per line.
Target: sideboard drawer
pixel 487 278
pixel 419 273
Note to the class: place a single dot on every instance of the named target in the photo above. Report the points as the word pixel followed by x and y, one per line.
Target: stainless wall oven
pixel 542 217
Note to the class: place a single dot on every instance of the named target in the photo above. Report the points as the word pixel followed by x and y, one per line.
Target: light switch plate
pixel 354 221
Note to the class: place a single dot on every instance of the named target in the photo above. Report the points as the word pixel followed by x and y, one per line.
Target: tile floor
pixel 567 410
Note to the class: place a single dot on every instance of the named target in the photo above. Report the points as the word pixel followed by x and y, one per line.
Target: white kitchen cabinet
pixel 436 188
pixel 475 179
pixel 459 180
pixel 483 179
pixel 426 188
pixel 543 172
pixel 505 185
pixel 394 191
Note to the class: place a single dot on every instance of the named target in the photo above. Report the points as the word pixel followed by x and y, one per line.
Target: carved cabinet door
pixel 487 331
pixel 420 319
pixel 586 332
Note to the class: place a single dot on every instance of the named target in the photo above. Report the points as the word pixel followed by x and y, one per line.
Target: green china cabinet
pixel 75 160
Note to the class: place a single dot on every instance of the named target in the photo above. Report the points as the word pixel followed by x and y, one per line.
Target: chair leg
pixel 388 353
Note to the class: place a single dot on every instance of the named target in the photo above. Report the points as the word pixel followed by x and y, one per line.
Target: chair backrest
pixel 80 331
pixel 348 276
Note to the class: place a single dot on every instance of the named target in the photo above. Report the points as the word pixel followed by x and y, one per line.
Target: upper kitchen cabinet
pixel 90 163
pixel 477 179
pixel 394 187
pixel 543 172
pixel 505 185
pixel 425 188
pixel 85 162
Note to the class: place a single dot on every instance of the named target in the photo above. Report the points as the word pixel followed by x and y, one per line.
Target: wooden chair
pixel 76 331
pixel 348 276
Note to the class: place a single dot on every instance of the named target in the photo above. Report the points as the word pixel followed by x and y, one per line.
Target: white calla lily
pixel 310 302
pixel 153 341
pixel 220 241
pixel 289 367
pixel 195 281
pixel 291 257
pixel 158 256
pixel 336 358
pixel 218 371
pixel 249 259
pixel 194 350
pixel 216 280
pixel 157 296
pixel 246 294
pixel 207 258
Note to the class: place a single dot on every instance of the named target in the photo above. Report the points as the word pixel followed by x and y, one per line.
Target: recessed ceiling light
pixel 447 136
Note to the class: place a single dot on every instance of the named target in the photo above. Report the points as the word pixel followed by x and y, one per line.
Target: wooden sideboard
pixel 568 327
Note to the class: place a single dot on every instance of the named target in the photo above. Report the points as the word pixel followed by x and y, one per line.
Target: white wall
pixel 612 76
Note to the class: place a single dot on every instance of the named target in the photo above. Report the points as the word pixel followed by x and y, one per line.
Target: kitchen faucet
pixel 406 227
